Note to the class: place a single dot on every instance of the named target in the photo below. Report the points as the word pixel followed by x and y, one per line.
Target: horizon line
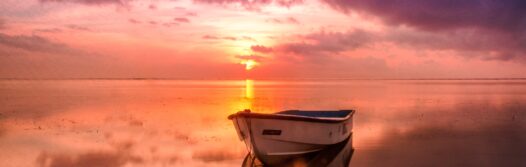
pixel 277 78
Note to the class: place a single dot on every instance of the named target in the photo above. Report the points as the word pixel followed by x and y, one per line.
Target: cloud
pixel 482 28
pixel 181 20
pixel 469 43
pixel 327 43
pixel 170 24
pixel 2 24
pixel 78 27
pixel 251 57
pixel 466 42
pixel 230 38
pixel 289 3
pixel 34 43
pixel 289 20
pixel 438 14
pixel 247 38
pixel 252 5
pixel 134 21
pixel 152 7
pixel 48 30
pixel 191 14
pixel 91 2
pixel 260 49
pixel 210 37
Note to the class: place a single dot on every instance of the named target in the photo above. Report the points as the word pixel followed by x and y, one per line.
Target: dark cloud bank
pixel 486 29
pixel 479 27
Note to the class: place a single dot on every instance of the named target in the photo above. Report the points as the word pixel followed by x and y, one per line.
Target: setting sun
pixel 249 64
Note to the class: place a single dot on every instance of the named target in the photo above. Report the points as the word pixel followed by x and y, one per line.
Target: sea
pixel 156 122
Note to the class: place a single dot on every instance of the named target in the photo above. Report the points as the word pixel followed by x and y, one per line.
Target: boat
pixel 280 137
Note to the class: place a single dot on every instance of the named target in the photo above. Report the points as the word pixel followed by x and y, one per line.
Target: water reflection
pixel 337 155
pixel 249 88
pixel 183 123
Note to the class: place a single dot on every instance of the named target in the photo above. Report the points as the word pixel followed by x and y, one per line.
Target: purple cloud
pixel 328 42
pixel 484 28
pixel 442 14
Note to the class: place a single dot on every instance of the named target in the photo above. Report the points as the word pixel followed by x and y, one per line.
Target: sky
pixel 262 39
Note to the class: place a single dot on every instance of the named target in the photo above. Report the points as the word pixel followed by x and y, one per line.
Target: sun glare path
pixel 249 88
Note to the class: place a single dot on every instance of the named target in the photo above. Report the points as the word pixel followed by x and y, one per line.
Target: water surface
pixel 183 123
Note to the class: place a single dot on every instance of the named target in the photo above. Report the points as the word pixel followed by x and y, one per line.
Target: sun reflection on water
pixel 249 89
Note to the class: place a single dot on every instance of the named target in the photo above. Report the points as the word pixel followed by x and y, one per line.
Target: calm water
pixel 183 123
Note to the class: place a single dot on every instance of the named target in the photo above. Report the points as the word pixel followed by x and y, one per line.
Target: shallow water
pixel 183 123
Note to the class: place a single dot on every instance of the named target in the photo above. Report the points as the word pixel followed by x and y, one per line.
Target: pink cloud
pixel 210 37
pixel 170 24
pixel 181 20
pixel 2 24
pixel 78 27
pixel 253 5
pixel 48 30
pixel 191 14
pixel 152 7
pixel 230 38
pixel 134 21
pixel 288 20
pixel 90 2
pixel 261 49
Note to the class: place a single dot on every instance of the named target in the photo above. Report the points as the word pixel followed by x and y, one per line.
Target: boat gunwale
pixel 293 117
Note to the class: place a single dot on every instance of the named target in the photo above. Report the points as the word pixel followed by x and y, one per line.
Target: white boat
pixel 276 138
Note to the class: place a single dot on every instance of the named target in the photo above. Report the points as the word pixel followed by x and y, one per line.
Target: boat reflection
pixel 337 155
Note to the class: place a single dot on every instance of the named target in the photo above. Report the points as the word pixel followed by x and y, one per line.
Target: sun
pixel 249 64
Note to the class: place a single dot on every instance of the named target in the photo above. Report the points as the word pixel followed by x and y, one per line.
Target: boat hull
pixel 275 141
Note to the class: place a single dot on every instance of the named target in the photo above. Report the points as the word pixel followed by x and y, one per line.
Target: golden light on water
pixel 249 88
